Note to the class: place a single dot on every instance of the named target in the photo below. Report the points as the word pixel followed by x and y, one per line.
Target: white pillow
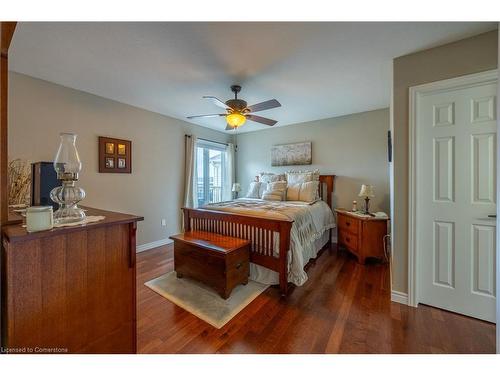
pixel 276 191
pixel 305 191
pixel 263 188
pixel 254 191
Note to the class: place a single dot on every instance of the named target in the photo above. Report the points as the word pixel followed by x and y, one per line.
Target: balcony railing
pixel 214 195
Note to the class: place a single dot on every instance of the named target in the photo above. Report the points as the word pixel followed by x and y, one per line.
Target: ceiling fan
pixel 237 111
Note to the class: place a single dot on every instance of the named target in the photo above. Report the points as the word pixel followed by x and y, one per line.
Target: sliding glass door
pixel 211 172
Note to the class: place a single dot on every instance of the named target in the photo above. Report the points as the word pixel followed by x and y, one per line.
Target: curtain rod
pixel 207 140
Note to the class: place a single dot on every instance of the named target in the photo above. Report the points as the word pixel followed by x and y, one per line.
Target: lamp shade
pixel 236 187
pixel 366 191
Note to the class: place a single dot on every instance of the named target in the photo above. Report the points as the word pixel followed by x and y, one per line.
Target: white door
pixel 455 194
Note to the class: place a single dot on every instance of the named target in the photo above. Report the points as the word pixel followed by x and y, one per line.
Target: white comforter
pixel 310 221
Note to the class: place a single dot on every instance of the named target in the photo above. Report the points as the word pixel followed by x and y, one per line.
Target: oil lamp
pixel 67 165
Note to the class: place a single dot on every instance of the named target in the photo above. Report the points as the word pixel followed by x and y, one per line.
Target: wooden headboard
pixel 326 183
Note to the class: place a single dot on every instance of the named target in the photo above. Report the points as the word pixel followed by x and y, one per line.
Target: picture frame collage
pixel 115 155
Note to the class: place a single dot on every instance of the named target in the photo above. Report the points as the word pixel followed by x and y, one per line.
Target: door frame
pixel 498 208
pixel 415 92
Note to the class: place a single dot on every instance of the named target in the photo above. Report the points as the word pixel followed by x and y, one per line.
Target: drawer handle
pixel 348 224
pixel 238 266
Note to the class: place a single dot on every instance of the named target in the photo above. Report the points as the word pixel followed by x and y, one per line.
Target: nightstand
pixel 362 235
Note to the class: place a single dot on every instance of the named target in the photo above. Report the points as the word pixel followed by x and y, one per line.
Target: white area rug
pixel 204 302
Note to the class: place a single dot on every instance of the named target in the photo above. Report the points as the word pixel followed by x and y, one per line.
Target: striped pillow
pixel 297 177
pixel 306 191
pixel 276 191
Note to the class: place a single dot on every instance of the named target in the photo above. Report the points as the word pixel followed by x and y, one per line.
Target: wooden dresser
pixel 362 236
pixel 70 289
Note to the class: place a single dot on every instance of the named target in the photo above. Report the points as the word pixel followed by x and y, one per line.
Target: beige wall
pixel 40 110
pixel 353 147
pixel 466 56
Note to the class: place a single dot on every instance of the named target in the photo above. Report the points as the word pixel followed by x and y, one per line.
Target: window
pixel 212 175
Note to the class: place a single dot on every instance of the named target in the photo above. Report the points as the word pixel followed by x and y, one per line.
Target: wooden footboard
pixel 260 231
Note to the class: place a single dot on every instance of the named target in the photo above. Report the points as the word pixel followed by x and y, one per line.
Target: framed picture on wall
pixel 115 155
pixel 291 154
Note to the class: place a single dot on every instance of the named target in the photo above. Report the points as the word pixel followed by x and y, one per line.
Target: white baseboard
pixel 152 245
pixel 399 297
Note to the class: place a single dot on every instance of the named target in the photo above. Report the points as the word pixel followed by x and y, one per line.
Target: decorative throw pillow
pixel 305 191
pixel 267 177
pixel 275 191
pixel 254 191
pixel 316 175
pixel 296 177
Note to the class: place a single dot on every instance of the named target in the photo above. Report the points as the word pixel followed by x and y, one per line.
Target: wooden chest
pixel 218 261
pixel 362 236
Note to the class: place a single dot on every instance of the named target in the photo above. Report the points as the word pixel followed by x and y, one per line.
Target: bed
pixel 284 236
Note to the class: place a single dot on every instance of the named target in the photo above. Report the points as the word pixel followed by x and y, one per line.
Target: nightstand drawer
pixel 349 240
pixel 348 223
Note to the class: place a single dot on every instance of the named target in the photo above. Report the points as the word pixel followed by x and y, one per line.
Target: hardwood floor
pixel 345 307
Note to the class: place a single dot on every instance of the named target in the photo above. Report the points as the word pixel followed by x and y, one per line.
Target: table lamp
pixel 367 193
pixel 236 189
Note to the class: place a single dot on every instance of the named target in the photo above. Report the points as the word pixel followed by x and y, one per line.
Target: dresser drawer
pixel 348 223
pixel 349 240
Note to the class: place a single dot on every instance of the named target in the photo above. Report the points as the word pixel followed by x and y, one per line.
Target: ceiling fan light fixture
pixel 237 112
pixel 235 119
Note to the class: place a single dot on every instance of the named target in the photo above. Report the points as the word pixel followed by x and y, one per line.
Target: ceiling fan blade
pixel 262 120
pixel 269 104
pixel 217 102
pixel 213 115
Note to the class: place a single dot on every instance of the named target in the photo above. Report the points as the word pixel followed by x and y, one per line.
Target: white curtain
pixel 227 194
pixel 190 193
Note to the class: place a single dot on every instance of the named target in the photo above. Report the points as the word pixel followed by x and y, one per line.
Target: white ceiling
pixel 316 70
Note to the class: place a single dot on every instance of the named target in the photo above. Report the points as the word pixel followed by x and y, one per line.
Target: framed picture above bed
pixel 291 154
pixel 115 155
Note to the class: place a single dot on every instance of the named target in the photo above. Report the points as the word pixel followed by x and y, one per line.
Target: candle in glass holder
pixel 39 218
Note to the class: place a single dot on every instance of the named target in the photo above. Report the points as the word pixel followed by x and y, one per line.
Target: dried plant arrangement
pixel 19 182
